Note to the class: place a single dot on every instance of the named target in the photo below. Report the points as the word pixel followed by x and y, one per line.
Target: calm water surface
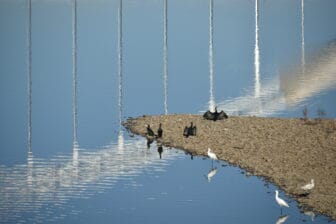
pixel 72 71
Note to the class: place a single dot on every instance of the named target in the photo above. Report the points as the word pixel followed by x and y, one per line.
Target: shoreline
pixel 289 152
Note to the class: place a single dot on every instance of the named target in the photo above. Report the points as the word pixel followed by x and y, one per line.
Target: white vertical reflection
pixel 120 141
pixel 54 181
pixel 29 75
pixel 165 58
pixel 74 72
pixel 30 164
pixel 120 63
pixel 289 89
pixel 303 60
pixel 211 63
pixel 256 53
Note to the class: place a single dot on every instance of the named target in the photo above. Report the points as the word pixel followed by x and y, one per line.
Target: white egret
pixel 309 186
pixel 280 201
pixel 212 155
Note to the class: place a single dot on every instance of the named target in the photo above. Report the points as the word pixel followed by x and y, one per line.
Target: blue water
pixel 265 59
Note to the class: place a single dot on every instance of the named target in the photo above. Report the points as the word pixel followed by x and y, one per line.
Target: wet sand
pixel 287 152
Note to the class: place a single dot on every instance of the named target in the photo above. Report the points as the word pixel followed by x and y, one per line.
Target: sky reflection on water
pixel 70 73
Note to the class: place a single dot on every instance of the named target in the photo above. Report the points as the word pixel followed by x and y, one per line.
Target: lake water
pixel 70 72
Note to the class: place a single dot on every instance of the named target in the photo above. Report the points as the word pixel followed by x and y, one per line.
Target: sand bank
pixel 288 152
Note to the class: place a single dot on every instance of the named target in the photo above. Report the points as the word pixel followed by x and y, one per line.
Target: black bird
pixel 192 129
pixel 214 116
pixel 159 131
pixel 185 132
pixel 150 132
pixel 189 131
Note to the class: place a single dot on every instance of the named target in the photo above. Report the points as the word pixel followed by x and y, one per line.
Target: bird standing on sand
pixel 160 131
pixel 212 155
pixel 150 132
pixel 280 201
pixel 309 186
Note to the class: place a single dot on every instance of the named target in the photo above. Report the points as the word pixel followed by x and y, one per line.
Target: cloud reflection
pixel 25 189
pixel 288 89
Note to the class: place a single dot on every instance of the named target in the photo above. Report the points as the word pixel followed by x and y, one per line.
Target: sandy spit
pixel 287 152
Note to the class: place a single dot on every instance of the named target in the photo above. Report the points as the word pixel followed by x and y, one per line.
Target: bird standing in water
pixel 212 155
pixel 280 201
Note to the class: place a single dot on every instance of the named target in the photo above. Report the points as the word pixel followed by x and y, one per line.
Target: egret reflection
pixel 310 214
pixel 211 174
pixel 282 219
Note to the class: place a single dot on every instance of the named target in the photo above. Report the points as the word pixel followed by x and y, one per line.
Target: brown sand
pixel 288 152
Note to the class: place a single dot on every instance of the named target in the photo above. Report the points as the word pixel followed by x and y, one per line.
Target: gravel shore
pixel 288 152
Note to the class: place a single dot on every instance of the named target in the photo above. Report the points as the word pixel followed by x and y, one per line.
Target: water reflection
pixel 310 214
pixel 74 72
pixel 27 188
pixel 211 63
pixel 29 75
pixel 256 53
pixel 290 88
pixel 303 59
pixel 282 219
pixel 160 149
pixel 120 61
pixel 165 56
pixel 211 174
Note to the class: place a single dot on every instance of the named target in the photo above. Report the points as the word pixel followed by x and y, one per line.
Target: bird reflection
pixel 160 149
pixel 281 219
pixel 73 175
pixel 150 140
pixel 310 214
pixel 211 174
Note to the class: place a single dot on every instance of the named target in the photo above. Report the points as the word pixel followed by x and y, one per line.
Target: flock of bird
pixel 281 202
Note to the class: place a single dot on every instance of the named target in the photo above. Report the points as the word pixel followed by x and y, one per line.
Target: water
pixel 71 71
